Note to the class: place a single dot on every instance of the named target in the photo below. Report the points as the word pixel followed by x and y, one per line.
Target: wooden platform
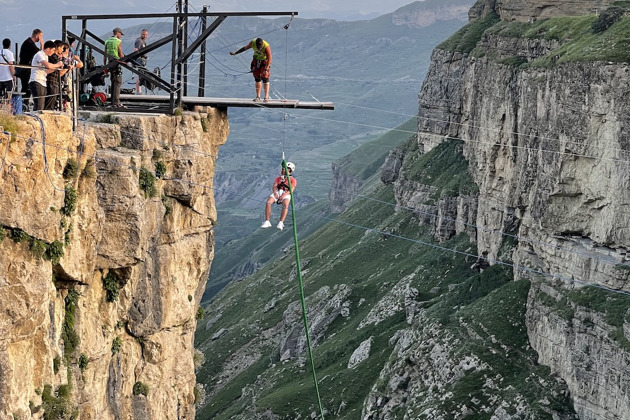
pixel 191 101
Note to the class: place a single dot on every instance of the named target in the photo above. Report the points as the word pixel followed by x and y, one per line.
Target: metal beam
pixel 205 34
pixel 96 37
pixel 175 15
pixel 131 56
pixel 148 75
pixel 185 46
pixel 202 58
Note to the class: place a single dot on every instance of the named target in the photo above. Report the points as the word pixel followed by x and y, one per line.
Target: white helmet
pixel 291 166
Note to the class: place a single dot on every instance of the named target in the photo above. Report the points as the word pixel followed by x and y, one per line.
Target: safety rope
pixel 301 287
pixel 567 279
pixel 43 131
pixel 286 61
pixel 6 148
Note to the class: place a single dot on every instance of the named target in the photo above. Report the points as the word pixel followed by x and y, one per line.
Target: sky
pixel 19 17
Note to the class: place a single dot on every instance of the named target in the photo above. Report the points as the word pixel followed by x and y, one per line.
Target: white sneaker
pixel 266 225
pixel 280 225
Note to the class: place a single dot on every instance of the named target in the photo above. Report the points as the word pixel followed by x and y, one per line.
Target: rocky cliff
pixel 548 148
pixel 105 246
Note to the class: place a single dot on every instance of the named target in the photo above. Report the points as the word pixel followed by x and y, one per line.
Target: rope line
pixel 514 266
pixel 496 261
pixel 301 287
pixel 356 194
pixel 43 131
pixel 480 142
pixel 6 149
pixel 517 133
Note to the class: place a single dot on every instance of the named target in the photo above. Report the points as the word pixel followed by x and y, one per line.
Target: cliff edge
pixel 105 247
pixel 544 121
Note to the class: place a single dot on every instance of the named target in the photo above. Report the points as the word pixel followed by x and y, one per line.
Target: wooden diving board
pixel 191 101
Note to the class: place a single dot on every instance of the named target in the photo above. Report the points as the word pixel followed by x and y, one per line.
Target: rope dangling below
pixel 301 286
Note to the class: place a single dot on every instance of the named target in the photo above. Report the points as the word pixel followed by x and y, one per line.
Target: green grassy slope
pixel 580 38
pixel 484 311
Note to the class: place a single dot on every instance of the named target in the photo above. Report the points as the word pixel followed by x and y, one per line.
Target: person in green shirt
pixel 113 49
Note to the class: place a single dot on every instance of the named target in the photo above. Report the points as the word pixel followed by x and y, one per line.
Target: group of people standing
pixel 113 50
pixel 43 70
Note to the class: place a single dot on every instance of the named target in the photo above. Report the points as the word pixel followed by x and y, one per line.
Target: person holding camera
pixel 41 67
pixel 54 79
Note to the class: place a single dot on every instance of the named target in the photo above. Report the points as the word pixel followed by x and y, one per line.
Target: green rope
pixel 299 275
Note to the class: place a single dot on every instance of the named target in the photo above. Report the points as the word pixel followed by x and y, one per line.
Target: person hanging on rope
pixel 261 63
pixel 280 194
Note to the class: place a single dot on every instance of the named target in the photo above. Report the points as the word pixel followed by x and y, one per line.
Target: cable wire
pixel 301 287
pixel 418 211
pixel 492 261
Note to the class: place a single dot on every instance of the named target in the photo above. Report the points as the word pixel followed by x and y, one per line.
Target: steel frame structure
pixel 180 52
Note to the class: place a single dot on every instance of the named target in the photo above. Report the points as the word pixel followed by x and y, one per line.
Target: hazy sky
pixel 19 17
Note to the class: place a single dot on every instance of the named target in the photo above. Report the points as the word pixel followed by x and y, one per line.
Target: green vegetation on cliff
pixel 466 39
pixel 443 168
pixel 580 38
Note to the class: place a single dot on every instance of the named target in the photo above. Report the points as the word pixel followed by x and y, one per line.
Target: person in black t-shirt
pixel 27 51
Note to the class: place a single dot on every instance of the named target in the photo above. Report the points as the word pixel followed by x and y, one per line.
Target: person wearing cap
pixel 261 63
pixel 280 194
pixel 113 50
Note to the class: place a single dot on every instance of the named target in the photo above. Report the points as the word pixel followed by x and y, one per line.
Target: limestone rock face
pixel 583 350
pixel 547 148
pixel 361 353
pixel 391 167
pixel 343 190
pixel 448 217
pixel 323 307
pixel 112 318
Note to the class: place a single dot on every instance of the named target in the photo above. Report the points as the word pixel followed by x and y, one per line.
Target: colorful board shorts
pixel 258 69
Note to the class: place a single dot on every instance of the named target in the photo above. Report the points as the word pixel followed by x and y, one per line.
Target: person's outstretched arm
pixel 240 50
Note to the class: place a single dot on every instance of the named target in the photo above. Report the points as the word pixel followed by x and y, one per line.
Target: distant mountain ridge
pixel 426 13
